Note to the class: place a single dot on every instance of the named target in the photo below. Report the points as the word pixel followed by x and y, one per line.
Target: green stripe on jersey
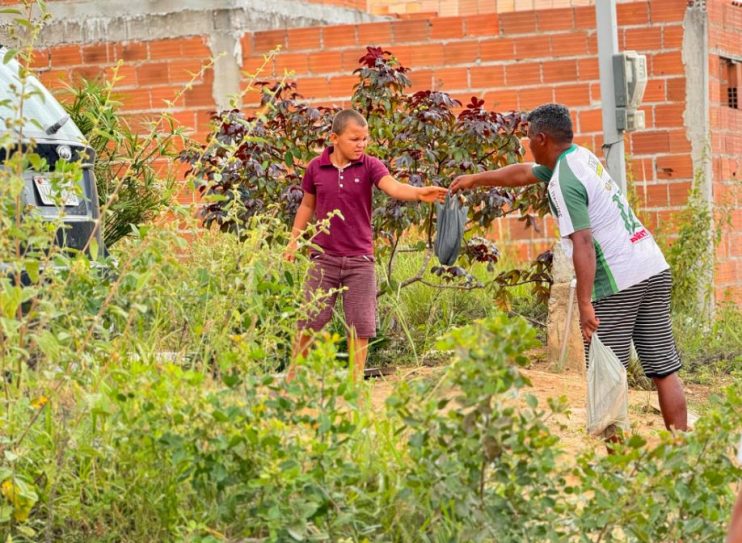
pixel 542 173
pixel 604 284
pixel 575 196
pixel 552 207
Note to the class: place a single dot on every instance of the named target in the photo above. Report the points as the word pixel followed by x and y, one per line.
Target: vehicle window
pixel 38 105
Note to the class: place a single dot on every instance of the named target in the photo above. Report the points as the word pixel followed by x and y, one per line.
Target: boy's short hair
pixel 341 120
pixel 552 119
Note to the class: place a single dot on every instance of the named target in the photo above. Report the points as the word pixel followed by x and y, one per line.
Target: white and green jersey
pixel 583 195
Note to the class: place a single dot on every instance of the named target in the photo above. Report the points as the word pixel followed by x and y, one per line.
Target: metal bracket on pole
pixel 613 144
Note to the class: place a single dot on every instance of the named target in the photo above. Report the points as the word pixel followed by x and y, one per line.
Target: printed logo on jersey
pixel 629 220
pixel 593 163
pixel 640 235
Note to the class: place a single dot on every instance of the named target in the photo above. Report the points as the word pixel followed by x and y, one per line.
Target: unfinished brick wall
pixel 517 61
pixel 150 75
pixel 514 60
pixel 725 82
pixel 161 75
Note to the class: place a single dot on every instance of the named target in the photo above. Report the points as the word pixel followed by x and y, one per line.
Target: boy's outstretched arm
pixel 303 216
pixel 514 175
pixel 403 191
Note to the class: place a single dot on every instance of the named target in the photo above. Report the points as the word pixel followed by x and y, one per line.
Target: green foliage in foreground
pixel 138 404
pixel 133 447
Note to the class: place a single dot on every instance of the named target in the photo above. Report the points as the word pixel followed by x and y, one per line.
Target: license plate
pixel 48 196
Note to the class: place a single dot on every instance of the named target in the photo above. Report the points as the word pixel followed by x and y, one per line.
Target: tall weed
pixel 134 171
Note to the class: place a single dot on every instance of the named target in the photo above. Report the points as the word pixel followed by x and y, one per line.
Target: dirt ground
pixel 644 411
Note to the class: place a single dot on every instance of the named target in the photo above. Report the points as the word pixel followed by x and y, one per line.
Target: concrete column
pixel 696 117
pixel 226 50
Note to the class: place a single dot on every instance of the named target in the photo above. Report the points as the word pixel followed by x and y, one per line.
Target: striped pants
pixel 640 313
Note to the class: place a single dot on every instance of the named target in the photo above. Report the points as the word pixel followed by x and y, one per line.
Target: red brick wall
pixel 725 40
pixel 513 60
pixel 150 74
pixel 517 61
pixel 161 75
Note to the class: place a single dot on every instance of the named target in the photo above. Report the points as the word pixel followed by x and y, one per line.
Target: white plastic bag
pixel 607 390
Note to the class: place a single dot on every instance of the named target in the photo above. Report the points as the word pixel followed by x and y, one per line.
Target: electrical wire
pixel 606 148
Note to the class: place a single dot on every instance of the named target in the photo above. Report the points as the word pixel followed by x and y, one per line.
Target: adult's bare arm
pixel 514 175
pixel 583 258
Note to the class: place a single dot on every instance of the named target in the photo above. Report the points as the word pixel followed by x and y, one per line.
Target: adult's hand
pixel 461 183
pixel 588 321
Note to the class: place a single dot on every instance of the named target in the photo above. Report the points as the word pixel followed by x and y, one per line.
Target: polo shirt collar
pixel 324 159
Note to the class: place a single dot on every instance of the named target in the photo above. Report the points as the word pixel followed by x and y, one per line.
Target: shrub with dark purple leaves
pixel 479 249
pixel 254 164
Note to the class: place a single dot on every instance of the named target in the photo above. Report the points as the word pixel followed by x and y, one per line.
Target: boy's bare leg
pixel 358 349
pixel 672 402
pixel 301 348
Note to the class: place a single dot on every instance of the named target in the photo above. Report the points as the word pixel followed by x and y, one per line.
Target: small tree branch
pixel 419 276
pixel 495 150
pixel 430 226
pixel 529 319
pixel 395 243
pixel 475 286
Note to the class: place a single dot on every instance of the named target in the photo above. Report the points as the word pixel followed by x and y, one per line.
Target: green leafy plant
pixel 708 340
pixel 254 164
pixel 133 179
pixel 691 255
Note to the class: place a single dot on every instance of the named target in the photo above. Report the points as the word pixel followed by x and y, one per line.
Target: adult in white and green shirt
pixel 623 280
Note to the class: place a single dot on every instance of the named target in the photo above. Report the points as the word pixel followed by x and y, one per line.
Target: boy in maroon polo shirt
pixel 342 179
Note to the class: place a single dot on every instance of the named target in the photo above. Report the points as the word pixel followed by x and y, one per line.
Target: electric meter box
pixel 629 120
pixel 629 81
pixel 629 78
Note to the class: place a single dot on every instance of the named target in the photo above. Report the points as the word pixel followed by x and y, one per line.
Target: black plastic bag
pixel 450 229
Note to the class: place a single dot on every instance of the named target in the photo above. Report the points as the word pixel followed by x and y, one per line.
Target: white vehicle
pixel 48 130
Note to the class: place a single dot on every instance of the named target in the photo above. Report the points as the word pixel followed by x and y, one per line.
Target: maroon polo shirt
pixel 349 191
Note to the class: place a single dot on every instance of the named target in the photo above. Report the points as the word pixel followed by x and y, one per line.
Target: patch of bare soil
pixel 643 406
